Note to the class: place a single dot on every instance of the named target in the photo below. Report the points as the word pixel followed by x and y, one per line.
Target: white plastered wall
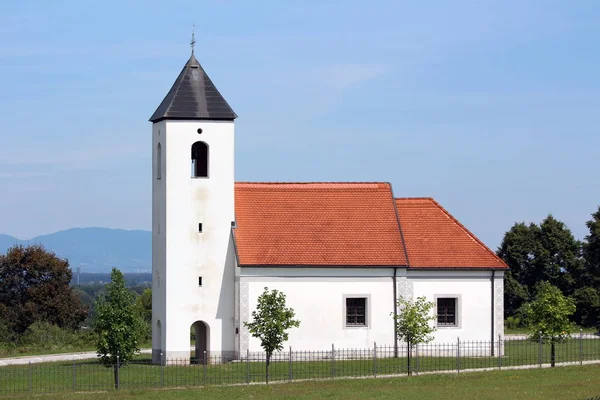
pixel 317 295
pixel 182 254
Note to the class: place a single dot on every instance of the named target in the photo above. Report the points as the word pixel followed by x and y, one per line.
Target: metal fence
pixel 292 365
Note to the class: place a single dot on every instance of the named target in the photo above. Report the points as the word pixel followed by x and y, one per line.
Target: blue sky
pixel 491 107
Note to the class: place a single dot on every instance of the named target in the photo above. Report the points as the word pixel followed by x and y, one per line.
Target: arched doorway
pixel 201 341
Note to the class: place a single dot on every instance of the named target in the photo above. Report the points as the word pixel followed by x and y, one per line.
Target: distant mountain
pixel 96 249
pixel 6 242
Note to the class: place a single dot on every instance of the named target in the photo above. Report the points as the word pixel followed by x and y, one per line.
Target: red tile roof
pixel 349 224
pixel 320 224
pixel 434 238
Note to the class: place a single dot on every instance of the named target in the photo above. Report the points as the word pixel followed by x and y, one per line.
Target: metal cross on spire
pixel 193 42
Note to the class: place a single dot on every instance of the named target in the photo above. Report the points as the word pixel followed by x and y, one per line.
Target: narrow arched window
pixel 158 162
pixel 200 160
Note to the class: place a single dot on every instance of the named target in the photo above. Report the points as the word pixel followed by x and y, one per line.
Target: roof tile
pixel 317 224
pixel 435 239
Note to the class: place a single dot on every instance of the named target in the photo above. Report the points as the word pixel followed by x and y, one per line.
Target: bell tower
pixel 193 259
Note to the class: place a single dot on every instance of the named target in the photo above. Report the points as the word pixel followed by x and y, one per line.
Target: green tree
pixel 118 326
pixel 518 250
pixel 515 295
pixel 535 253
pixel 587 302
pixel 271 320
pixel 412 323
pixel 591 250
pixel 143 306
pixel 34 287
pixel 549 314
pixel 559 259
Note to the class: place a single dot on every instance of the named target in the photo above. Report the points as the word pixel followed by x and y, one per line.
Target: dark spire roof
pixel 193 96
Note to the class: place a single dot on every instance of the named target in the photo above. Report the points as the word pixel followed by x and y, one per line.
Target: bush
pixel 512 322
pixel 44 336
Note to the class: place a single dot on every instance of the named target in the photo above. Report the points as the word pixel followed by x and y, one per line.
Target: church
pixel 342 252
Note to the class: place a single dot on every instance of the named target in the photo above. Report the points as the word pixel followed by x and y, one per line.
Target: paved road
pixel 522 336
pixel 53 357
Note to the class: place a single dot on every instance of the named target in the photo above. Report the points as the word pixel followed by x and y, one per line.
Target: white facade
pixel 318 296
pixel 181 253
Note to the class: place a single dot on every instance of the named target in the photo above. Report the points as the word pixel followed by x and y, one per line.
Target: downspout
pixel 395 315
pixel 493 314
pixel 396 269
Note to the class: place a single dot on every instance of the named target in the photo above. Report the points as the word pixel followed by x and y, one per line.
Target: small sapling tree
pixel 118 325
pixel 549 314
pixel 271 320
pixel 412 323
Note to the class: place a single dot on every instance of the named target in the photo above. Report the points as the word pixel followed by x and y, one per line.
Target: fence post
pixel 375 359
pixel 74 376
pixel 458 354
pixel 162 370
pixel 204 367
pixel 332 360
pixel 290 368
pixel 248 366
pixel 580 346
pixel 417 358
pixel 117 377
pixel 540 349
pixel 499 351
pixel 30 378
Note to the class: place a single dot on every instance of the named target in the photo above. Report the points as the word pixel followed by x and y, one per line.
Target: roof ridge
pixel 314 185
pixel 308 182
pixel 402 240
pixel 469 232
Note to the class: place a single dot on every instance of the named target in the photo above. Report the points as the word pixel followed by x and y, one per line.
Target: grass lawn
pixel 579 382
pixel 88 375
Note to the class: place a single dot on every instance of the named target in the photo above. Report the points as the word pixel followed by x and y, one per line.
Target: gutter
pixel 235 249
pixel 396 269
pixel 395 315
pixel 493 314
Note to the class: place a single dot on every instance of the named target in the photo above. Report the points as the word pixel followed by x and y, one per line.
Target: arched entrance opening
pixel 200 333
